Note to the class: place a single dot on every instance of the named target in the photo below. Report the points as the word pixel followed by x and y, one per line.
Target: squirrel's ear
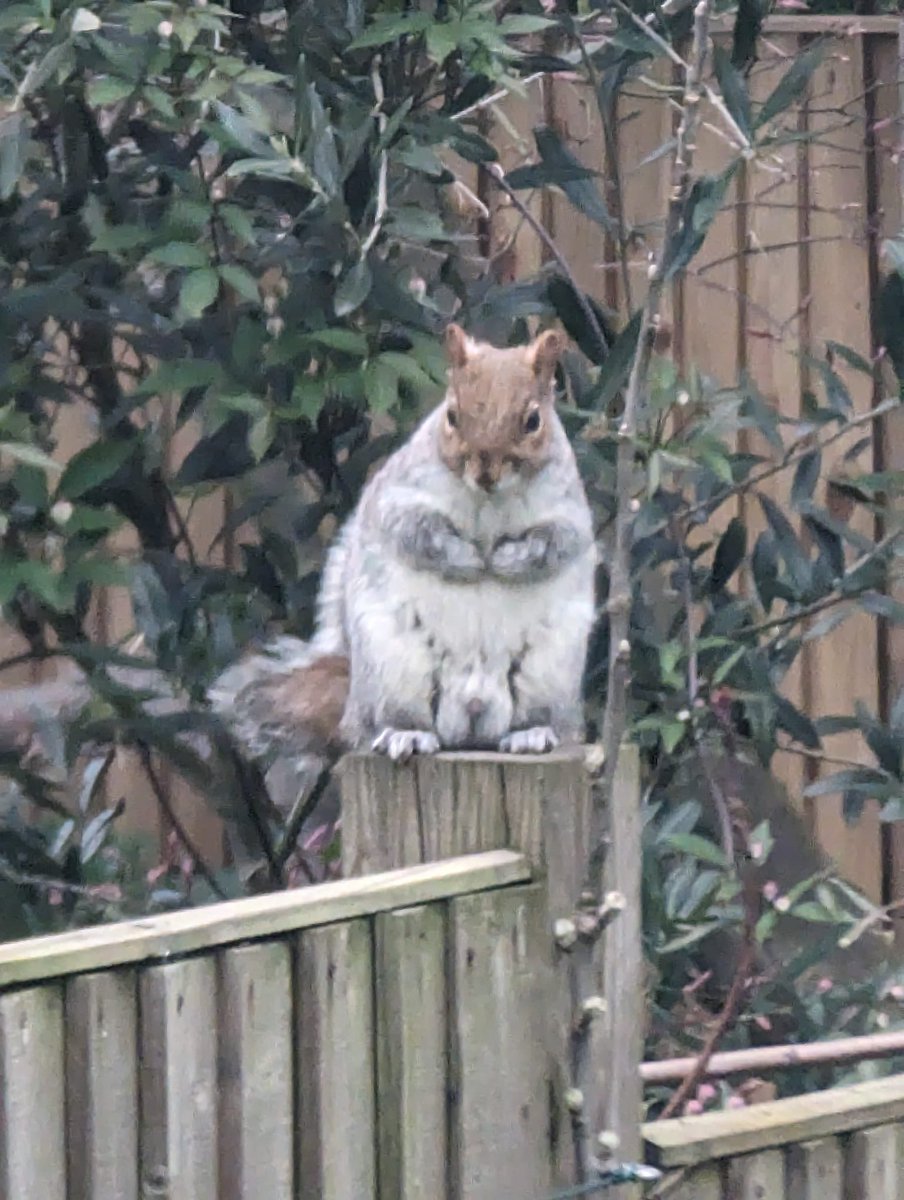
pixel 459 347
pixel 544 352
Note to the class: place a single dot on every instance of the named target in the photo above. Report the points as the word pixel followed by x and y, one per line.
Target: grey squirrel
pixel 457 601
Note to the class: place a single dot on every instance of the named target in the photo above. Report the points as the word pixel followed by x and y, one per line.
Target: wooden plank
pixel 178 1080
pixel 624 1022
pixel 874 1164
pixel 232 921
pixel 773 329
pixel 699 1183
pixel 755 1177
pixel 889 129
pixel 255 1072
pixel 839 267
pixel 689 1140
pixel 102 1085
pixel 814 1170
pixel 411 1053
pixel 376 835
pixel 336 1069
pixel 499 1069
pixel 32 1132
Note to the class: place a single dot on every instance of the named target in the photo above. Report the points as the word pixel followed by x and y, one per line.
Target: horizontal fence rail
pixel 376 1039
pixel 846 1143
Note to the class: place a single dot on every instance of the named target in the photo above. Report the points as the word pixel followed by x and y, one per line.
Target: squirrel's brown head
pixel 497 420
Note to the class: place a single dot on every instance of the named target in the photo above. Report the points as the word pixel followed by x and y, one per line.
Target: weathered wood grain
pixel 499 1070
pixel 32 1133
pixel 755 1177
pixel 335 1063
pixel 262 916
pixel 411 1053
pixel 101 1012
pixel 178 1080
pixel 689 1140
pixel 874 1164
pixel 813 1170
pixel 255 1072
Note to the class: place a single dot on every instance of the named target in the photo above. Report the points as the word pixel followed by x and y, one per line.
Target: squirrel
pixel 457 601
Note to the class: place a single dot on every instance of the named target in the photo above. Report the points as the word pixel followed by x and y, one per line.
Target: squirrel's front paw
pixel 401 744
pixel 539 740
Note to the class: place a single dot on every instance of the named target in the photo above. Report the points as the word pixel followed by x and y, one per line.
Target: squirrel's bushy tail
pixel 284 706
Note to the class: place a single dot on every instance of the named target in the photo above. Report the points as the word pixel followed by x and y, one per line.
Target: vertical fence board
pixel 842 664
pixel 411 1053
pixel 178 1080
pixel 335 1071
pixel 472 810
pixel 255 1072
pixel 814 1170
pixel 770 278
pixel 500 1119
pixel 102 1085
pixel 874 1164
pixel 700 1183
pixel 376 835
pixel 890 182
pixel 623 962
pixel 32 1133
pixel 756 1176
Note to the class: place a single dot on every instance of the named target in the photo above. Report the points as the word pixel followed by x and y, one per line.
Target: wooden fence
pixel 793 261
pixel 402 1035
pixel 843 1144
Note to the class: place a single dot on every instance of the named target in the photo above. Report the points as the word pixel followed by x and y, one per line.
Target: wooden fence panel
pixel 32 1131
pixel 411 1040
pixel 255 1072
pixel 874 1164
pixel 178 1080
pixel 101 1011
pixel 335 1047
pixel 841 666
pixel 814 1170
pixel 499 1082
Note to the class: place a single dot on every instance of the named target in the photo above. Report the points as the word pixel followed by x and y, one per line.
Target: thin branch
pixel 495 98
pixel 302 809
pixel 383 178
pixel 172 816
pixel 495 172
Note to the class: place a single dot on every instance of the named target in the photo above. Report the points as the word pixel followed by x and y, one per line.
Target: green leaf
pixel 539 175
pixel 747 26
pixel 390 28
pixel 791 550
pixel 734 89
pixel 13 151
pixel 179 254
pixel 806 476
pixel 701 206
pixel 242 281
pixel 239 222
pixel 115 238
pixel 791 86
pixel 381 385
pixel 729 554
pixel 347 341
pixel 699 847
pixel 353 289
pixel 556 157
pixel 516 26
pixel 861 780
pixel 179 377
pixel 571 313
pixel 93 465
pixel 108 90
pixel 30 455
pixel 198 291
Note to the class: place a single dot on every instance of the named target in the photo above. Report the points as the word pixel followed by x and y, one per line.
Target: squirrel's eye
pixel 452 418
pixel 532 421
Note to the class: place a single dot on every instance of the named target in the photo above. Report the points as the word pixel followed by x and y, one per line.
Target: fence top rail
pixel 213 925
pixel 688 1141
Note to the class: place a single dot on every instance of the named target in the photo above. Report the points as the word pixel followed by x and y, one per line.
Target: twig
pixel 495 98
pixel 730 1010
pixel 495 172
pixel 301 810
pixel 713 97
pixel 383 178
pixel 171 815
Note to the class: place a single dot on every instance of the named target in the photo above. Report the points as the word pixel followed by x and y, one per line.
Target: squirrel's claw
pixel 401 744
pixel 539 740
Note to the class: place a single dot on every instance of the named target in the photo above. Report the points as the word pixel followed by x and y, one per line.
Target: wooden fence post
pixel 453 804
